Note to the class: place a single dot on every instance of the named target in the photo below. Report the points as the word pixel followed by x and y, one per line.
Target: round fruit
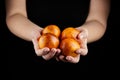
pixel 69 32
pixel 48 40
pixel 69 46
pixel 53 29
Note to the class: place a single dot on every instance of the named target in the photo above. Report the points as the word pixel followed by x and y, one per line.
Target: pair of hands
pixel 47 53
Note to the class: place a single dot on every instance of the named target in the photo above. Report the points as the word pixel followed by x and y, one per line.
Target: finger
pixel 84 41
pixel 62 58
pixel 84 44
pixel 42 51
pixel 83 34
pixel 73 59
pixel 82 38
pixel 58 52
pixel 50 54
pixel 57 58
pixel 82 52
pixel 84 48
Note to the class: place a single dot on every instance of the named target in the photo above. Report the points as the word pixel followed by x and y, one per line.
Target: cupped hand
pixel 46 53
pixel 82 39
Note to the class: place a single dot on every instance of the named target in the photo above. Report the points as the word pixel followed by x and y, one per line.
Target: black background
pixel 22 63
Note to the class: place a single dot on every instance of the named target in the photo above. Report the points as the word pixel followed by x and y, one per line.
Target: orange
pixel 69 32
pixel 68 47
pixel 48 40
pixel 53 29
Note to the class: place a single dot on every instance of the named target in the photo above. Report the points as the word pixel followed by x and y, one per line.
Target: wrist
pixel 36 33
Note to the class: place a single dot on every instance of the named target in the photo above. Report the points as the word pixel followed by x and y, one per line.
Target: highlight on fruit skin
pixel 69 32
pixel 68 47
pixel 48 40
pixel 53 29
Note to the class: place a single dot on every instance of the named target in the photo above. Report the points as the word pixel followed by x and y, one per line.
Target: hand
pixel 46 53
pixel 82 38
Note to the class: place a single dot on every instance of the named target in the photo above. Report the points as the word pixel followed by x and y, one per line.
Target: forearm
pixel 95 30
pixel 96 21
pixel 21 26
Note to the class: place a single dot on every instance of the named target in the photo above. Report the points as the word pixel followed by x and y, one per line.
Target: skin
pixel 92 30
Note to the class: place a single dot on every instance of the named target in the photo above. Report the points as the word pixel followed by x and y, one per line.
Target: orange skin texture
pixel 69 32
pixel 53 29
pixel 69 46
pixel 48 40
